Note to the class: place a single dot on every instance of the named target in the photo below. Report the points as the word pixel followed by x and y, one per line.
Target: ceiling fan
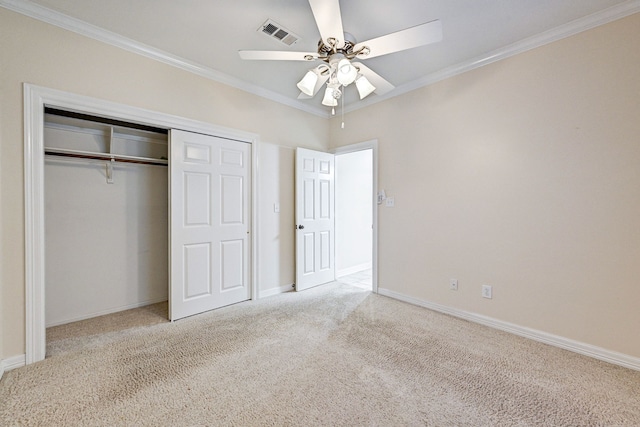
pixel 337 50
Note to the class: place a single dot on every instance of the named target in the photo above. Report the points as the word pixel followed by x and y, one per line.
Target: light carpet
pixel 335 355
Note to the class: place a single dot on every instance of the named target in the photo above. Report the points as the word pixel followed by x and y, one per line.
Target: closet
pixel 126 207
pixel 106 216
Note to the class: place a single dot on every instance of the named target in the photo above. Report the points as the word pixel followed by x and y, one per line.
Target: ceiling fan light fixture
pixel 337 48
pixel 364 86
pixel 329 99
pixel 308 83
pixel 347 73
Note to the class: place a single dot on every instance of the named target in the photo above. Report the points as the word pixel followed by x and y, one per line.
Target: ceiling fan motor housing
pixel 327 49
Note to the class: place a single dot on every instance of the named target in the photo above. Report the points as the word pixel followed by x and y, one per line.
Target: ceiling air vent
pixel 275 31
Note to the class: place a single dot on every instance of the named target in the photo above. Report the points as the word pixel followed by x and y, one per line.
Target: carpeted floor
pixel 122 320
pixel 335 355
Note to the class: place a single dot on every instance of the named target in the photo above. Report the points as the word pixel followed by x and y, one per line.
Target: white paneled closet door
pixel 210 199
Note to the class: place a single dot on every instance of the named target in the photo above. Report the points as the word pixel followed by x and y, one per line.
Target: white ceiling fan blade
pixel 274 55
pixel 420 35
pixel 382 86
pixel 329 20
pixel 322 79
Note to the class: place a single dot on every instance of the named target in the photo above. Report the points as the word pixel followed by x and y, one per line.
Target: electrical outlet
pixel 453 284
pixel 390 202
pixel 487 291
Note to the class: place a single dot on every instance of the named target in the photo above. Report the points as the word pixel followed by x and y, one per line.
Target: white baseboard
pixel 353 270
pixel 12 363
pixel 544 337
pixel 108 311
pixel 275 291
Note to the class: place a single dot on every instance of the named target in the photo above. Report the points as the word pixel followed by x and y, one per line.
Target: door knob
pixel 300 227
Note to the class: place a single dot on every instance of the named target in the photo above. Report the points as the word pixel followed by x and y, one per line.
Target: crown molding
pixel 58 19
pixel 567 30
pixel 32 10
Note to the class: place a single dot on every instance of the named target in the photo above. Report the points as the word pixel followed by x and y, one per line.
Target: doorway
pixel 316 252
pixel 354 218
pixel 356 215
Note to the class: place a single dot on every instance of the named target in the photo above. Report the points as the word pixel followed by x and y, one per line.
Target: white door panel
pixel 210 223
pixel 197 199
pixel 315 183
pixel 197 270
pixel 232 199
pixel 309 253
pixel 232 253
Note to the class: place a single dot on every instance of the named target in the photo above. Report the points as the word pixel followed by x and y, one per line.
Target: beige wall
pixel 37 53
pixel 524 174
pixel 277 235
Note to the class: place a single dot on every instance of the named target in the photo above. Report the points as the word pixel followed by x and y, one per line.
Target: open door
pixel 210 206
pixel 315 225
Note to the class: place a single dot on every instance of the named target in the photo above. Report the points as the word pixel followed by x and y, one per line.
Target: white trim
pixel 35 99
pixel 255 197
pixel 11 363
pixel 373 146
pixel 35 343
pixel 77 26
pixel 113 110
pixel 108 311
pixel 277 290
pixel 58 19
pixel 533 334
pixel 354 269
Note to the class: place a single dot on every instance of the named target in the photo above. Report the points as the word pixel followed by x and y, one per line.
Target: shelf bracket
pixel 110 171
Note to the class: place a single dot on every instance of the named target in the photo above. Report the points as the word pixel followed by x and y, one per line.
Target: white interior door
pixel 315 225
pixel 210 223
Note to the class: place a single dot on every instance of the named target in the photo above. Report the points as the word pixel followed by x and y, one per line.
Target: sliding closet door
pixel 210 196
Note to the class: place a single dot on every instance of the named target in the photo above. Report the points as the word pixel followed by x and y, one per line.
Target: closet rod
pixel 99 156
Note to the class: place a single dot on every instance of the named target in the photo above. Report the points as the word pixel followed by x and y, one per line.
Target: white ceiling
pixel 210 33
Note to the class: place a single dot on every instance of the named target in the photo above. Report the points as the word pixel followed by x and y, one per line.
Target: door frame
pixel 373 146
pixel 35 99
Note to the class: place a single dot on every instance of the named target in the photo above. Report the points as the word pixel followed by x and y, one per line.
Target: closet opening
pixel 224 157
pixel 106 224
